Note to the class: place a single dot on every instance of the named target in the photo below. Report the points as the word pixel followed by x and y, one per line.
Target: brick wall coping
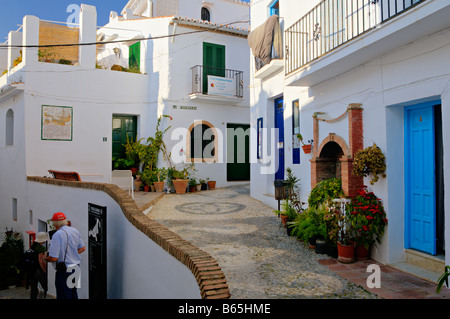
pixel 207 272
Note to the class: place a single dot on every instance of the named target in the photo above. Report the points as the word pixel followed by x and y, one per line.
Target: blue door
pixel 279 124
pixel 420 187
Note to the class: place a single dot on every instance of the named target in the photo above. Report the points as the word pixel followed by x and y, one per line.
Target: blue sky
pixel 13 11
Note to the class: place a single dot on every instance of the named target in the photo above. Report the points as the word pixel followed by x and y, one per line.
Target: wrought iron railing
pixel 334 22
pixel 217 81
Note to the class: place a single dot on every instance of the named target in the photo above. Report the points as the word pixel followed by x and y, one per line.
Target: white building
pixel 350 74
pixel 68 117
pixel 178 57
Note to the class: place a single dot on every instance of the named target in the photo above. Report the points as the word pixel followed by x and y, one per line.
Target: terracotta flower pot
pixel 159 186
pixel 346 253
pixel 361 252
pixel 180 185
pixel 137 184
pixel 146 188
pixel 306 148
pixel 284 219
pixel 212 184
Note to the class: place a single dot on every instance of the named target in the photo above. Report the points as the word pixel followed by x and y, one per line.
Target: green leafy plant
pixel 369 161
pixel 300 138
pixel 310 224
pixel 288 209
pixel 134 151
pixel 443 279
pixel 148 177
pixel 325 191
pixel 11 252
pixel 155 144
pixel 47 55
pixel 161 174
pixel 193 181
pixel 117 67
pixel 333 218
pixel 366 217
pixel 291 179
pixel 121 163
pixel 65 61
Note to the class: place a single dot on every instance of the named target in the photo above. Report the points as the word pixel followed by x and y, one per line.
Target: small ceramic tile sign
pixel 56 123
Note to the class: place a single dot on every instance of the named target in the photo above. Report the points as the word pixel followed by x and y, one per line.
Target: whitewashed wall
pixel 407 76
pixel 410 74
pixel 137 268
pixel 12 161
pixel 95 95
pixel 168 62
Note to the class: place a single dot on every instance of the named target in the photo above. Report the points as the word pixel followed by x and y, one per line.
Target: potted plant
pixel 333 218
pixel 325 191
pixel 345 240
pixel 287 214
pixel 443 279
pixel 121 163
pixel 306 147
pixel 180 181
pixel 211 184
pixel 203 184
pixel 161 174
pixel 134 151
pixel 367 219
pixel 193 184
pixel 147 179
pixel 309 226
pixel 369 161
pixel 138 181
pixel 11 252
pixel 291 181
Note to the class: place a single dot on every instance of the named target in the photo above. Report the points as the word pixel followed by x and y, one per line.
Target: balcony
pixel 217 85
pixel 338 35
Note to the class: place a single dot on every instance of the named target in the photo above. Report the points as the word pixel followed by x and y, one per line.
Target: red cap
pixel 58 216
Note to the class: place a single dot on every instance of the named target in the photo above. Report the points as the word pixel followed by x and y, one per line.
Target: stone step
pixel 422 265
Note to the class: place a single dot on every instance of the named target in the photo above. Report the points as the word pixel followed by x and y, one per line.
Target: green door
pixel 213 62
pixel 134 60
pixel 123 127
pixel 238 152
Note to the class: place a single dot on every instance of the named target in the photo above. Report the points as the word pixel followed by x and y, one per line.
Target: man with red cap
pixel 65 249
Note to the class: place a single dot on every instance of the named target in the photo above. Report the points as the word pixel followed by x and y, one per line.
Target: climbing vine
pixel 370 161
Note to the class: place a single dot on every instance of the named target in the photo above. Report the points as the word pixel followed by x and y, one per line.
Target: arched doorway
pixel 333 160
pixel 330 161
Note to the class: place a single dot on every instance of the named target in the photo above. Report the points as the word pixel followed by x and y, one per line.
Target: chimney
pixel 30 37
pixel 88 34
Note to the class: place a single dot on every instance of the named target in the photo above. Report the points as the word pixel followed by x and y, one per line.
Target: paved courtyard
pixel 257 257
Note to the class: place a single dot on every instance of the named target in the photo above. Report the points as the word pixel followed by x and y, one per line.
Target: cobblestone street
pixel 253 249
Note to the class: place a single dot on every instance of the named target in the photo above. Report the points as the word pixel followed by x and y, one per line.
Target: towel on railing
pixel 263 38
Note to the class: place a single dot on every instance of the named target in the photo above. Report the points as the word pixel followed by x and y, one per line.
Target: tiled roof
pixel 211 25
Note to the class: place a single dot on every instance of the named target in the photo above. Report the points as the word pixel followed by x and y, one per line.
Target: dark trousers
pixel 62 291
pixel 39 276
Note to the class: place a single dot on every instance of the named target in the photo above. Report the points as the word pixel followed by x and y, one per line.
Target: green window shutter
pixel 213 62
pixel 134 61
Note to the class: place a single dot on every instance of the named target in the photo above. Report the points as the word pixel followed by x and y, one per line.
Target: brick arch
pixel 188 143
pixel 343 166
pixel 334 138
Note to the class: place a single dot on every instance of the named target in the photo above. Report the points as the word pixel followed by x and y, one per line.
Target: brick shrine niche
pixel 334 157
